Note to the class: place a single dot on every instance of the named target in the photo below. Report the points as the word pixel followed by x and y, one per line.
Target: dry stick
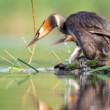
pixel 30 60
pixel 25 96
pixel 26 45
pixel 11 56
pixel 34 93
pixel 13 65
pixel 56 85
pixel 59 60
pixel 33 87
pixel 34 21
pixel 6 60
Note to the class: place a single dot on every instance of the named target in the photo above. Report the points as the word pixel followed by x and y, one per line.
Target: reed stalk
pixel 9 54
pixel 31 57
pixel 57 57
pixel 34 22
pixel 26 45
pixel 13 66
pixel 6 60
pixel 34 93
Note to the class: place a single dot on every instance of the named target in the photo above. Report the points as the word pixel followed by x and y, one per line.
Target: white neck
pixel 59 20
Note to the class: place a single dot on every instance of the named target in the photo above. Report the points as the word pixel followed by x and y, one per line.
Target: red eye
pixel 38 33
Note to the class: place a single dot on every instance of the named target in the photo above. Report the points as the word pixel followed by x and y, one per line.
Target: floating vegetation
pixel 91 68
pixel 92 63
pixel 100 69
pixel 72 66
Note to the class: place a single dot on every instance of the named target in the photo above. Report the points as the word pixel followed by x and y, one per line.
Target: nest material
pixel 80 66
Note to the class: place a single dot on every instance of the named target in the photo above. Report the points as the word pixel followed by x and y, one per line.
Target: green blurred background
pixel 16 21
pixel 16 17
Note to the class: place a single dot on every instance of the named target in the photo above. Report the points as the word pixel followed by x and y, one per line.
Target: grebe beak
pixel 46 27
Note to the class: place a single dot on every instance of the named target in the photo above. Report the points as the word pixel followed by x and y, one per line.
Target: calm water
pixel 59 93
pixel 16 91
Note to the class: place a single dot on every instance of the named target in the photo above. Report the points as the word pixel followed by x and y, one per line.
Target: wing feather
pixel 90 22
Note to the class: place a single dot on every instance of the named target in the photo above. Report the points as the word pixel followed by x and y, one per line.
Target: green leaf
pixel 102 76
pixel 100 69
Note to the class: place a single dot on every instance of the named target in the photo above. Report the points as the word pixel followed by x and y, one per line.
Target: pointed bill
pixel 34 40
